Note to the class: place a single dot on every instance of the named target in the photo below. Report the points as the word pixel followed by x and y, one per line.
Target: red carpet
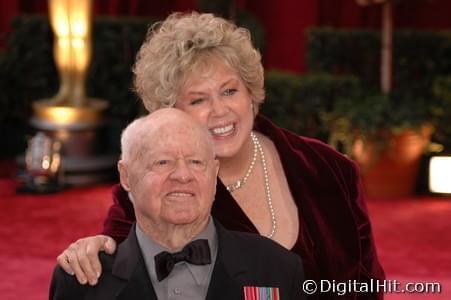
pixel 413 237
pixel 414 242
pixel 34 229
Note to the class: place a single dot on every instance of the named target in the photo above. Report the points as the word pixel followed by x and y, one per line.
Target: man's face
pixel 173 180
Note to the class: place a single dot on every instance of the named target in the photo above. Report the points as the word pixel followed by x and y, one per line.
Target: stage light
pixel 440 174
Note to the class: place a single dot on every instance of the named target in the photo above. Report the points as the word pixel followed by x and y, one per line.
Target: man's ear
pixel 123 175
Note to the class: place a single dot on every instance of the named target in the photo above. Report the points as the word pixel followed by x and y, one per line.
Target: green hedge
pixel 419 58
pixel 442 90
pixel 304 104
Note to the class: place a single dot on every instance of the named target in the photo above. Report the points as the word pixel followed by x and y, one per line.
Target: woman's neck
pixel 234 168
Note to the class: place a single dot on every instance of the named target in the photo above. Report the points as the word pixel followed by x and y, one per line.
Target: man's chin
pixel 181 219
pixel 185 219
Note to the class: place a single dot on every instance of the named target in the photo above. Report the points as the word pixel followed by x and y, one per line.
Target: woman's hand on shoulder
pixel 81 258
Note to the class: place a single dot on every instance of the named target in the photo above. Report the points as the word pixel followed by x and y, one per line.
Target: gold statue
pixel 70 107
pixel 71 23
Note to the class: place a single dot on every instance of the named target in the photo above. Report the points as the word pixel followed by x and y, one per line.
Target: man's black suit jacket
pixel 243 259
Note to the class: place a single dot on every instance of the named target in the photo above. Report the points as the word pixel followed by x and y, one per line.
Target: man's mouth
pixel 181 194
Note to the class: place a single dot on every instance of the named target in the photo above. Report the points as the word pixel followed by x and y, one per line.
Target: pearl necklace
pixel 240 183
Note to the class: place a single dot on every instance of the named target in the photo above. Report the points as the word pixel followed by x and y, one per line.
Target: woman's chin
pixel 226 151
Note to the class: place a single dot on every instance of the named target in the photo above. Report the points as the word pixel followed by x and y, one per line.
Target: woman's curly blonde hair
pixel 183 43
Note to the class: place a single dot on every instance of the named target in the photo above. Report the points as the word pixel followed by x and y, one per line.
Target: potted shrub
pixel 388 139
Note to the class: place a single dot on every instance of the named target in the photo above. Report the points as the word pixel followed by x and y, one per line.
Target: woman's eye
pixel 229 92
pixel 197 101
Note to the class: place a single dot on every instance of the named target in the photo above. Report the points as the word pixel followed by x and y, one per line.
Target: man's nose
pixel 182 172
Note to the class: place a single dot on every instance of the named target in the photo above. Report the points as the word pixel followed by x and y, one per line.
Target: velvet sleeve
pixel 120 215
pixel 370 267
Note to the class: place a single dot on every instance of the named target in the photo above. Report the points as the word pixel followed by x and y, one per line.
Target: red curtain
pixel 284 21
pixel 11 8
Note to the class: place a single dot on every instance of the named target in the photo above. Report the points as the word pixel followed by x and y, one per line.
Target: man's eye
pixel 197 163
pixel 229 92
pixel 162 162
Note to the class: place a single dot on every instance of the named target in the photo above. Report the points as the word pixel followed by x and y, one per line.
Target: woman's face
pixel 219 99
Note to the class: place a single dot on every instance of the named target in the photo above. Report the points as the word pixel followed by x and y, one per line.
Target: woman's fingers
pixel 81 258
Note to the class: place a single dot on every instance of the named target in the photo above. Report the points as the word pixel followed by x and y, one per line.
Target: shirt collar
pixel 150 248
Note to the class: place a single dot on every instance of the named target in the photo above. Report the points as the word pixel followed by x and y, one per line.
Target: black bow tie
pixel 197 253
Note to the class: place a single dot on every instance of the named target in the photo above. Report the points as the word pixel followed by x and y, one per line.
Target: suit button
pixel 177 291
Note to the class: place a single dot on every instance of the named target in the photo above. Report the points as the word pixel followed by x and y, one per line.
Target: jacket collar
pixel 129 267
pixel 229 268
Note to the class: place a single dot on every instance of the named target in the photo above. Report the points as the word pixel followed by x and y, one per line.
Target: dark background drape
pixel 284 21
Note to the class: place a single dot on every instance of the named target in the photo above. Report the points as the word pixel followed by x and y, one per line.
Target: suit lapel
pixel 226 277
pixel 138 286
pixel 222 285
pixel 129 266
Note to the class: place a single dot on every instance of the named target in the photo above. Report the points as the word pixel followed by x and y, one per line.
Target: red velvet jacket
pixel 335 239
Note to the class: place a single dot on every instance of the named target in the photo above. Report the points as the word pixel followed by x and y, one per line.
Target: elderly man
pixel 176 250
